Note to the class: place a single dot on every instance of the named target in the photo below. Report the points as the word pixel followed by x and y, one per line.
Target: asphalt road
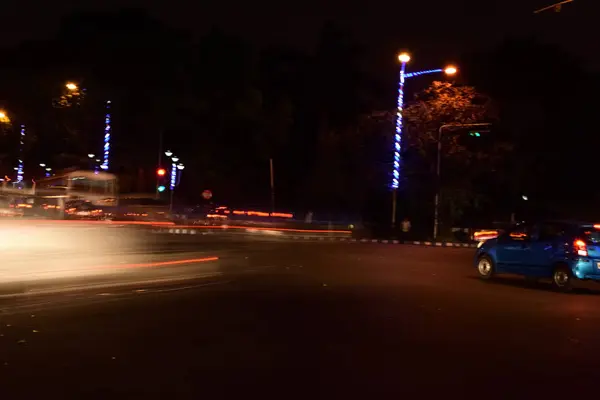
pixel 305 320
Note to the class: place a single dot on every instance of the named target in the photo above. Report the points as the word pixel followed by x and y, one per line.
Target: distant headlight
pixel 480 243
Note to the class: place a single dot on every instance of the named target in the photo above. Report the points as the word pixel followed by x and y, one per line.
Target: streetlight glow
pixel 4 117
pixel 175 159
pixel 404 57
pixel 91 155
pixel 71 86
pixel 168 153
pixel 450 70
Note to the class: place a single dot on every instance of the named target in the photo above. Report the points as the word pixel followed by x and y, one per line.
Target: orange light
pixel 404 57
pixel 450 70
pixel 282 215
pixel 597 226
pixel 161 172
pixel 518 235
pixel 485 233
pixel 581 247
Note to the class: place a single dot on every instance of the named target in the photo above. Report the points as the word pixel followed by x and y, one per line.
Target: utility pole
pixel 437 170
pixel 272 186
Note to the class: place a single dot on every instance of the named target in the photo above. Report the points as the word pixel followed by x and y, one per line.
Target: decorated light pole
pixel 107 133
pixel 404 58
pixel 175 175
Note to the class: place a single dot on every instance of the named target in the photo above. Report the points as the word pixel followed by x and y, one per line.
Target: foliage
pixel 467 162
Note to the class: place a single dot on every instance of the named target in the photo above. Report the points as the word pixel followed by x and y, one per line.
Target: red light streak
pixel 165 263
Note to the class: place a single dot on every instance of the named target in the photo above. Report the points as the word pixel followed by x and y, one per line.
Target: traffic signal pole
pixel 159 165
pixel 436 201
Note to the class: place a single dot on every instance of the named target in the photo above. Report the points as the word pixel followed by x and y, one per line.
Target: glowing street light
pixel 91 155
pixel 404 58
pixel 450 70
pixel 168 153
pixel 71 86
pixel 4 117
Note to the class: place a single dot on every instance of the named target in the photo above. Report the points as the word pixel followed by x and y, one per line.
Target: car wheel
pixel 485 267
pixel 562 278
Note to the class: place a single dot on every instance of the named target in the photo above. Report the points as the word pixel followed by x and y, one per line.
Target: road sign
pixel 207 194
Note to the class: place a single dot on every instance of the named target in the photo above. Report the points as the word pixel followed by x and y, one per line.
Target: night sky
pixel 435 31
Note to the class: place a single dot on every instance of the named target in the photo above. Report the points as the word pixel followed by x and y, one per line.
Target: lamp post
pixel 438 163
pixel 175 176
pixel 404 58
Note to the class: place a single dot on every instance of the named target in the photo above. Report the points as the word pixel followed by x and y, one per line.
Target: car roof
pixel 568 222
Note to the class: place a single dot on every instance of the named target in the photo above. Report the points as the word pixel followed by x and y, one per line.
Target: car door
pixel 544 242
pixel 512 249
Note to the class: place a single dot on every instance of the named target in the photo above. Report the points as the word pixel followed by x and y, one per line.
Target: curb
pixel 187 231
pixel 388 241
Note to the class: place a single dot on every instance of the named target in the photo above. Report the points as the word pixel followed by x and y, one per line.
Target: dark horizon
pixel 433 37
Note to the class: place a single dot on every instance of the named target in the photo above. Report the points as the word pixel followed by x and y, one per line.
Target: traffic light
pixel 474 134
pixel 161 188
pixel 161 172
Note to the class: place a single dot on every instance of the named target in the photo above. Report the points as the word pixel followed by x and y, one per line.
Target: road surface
pixel 305 320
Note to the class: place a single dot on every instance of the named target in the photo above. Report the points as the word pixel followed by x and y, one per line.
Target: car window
pixel 548 231
pixel 518 233
pixel 591 235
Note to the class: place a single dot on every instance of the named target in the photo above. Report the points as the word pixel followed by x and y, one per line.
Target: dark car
pixel 563 251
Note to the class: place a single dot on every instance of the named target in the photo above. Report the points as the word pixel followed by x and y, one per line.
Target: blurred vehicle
pixel 142 207
pixel 563 251
pixel 80 209
pixel 480 235
pixel 8 209
pixel 97 188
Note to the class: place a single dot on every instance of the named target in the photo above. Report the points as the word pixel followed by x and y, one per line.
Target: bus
pixel 96 188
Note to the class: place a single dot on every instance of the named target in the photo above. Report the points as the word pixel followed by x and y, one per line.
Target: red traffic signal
pixel 161 172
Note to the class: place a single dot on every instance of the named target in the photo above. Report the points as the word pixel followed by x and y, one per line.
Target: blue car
pixel 562 251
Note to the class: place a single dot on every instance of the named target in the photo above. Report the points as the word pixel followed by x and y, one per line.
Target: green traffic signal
pixel 475 134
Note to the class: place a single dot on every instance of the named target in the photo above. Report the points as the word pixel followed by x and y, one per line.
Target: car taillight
pixel 580 247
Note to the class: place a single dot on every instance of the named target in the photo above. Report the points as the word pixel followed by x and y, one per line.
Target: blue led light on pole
pixel 107 132
pixel 397 168
pixel 21 143
pixel 173 176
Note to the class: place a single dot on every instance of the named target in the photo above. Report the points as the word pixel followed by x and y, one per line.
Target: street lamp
pixel 4 117
pixel 71 86
pixel 450 70
pixel 436 202
pixel 405 58
pixel 175 177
